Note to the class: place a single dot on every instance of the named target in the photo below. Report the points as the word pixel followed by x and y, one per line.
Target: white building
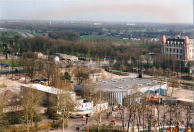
pixel 82 107
pixel 116 90
pixel 54 58
pixel 51 91
pixel 182 48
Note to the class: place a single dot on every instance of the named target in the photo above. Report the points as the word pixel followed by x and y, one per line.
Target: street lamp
pixel 164 106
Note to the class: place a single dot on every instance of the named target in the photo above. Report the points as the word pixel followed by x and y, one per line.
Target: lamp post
pixel 188 116
pixel 123 119
pixel 164 106
pixel 137 67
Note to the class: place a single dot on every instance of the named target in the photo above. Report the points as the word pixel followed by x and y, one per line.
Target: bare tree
pixel 29 63
pixel 173 84
pixel 65 101
pixel 82 74
pixel 30 102
pixel 2 115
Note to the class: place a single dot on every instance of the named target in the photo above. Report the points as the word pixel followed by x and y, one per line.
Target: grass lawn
pixel 11 62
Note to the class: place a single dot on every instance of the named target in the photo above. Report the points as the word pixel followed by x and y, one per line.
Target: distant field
pixel 113 39
pixel 95 37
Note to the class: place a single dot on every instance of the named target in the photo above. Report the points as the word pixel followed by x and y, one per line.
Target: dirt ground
pixel 14 83
pixel 7 83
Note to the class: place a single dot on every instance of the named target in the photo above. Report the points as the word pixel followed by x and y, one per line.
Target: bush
pixel 55 117
pixel 14 129
pixel 14 117
pixel 37 118
pixel 50 111
pixel 56 125
pixel 15 120
pixel 187 77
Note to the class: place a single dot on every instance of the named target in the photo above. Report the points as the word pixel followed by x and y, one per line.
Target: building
pixel 182 48
pixel 48 93
pixel 82 106
pixel 116 90
pixel 10 102
pixel 68 57
pixel 54 58
pixel 39 55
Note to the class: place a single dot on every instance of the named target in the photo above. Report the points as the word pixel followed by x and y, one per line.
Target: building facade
pixel 10 102
pixel 182 48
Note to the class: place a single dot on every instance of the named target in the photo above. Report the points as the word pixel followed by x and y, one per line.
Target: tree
pixel 131 103
pixel 51 72
pixel 67 76
pixel 82 74
pixel 30 102
pixel 173 84
pixel 65 101
pixel 3 121
pixel 29 63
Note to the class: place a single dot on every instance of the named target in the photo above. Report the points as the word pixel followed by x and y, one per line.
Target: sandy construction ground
pixel 10 84
pixel 14 84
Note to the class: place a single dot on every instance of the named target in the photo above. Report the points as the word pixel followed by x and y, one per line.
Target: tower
pixel 162 46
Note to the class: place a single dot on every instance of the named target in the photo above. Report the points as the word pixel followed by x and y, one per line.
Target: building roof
pixel 175 40
pixel 36 53
pixel 126 85
pixel 65 56
pixel 47 89
pixel 9 98
pixel 185 40
pixel 185 100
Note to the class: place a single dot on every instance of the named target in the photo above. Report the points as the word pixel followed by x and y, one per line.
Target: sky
pixel 163 11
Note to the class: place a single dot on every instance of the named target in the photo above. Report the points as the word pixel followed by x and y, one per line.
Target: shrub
pixel 56 125
pixel 55 117
pixel 14 129
pixel 37 118
pixel 15 120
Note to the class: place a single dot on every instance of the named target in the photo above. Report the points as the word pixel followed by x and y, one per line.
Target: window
pixel 167 49
pixel 177 50
pixel 12 108
pixel 181 51
pixel 180 56
pixel 173 50
pixel 170 49
pixel 5 109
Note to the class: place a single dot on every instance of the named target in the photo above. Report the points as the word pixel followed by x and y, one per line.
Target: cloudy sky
pixel 169 11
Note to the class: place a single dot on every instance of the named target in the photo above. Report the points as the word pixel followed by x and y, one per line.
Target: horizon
pixel 71 21
pixel 150 11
